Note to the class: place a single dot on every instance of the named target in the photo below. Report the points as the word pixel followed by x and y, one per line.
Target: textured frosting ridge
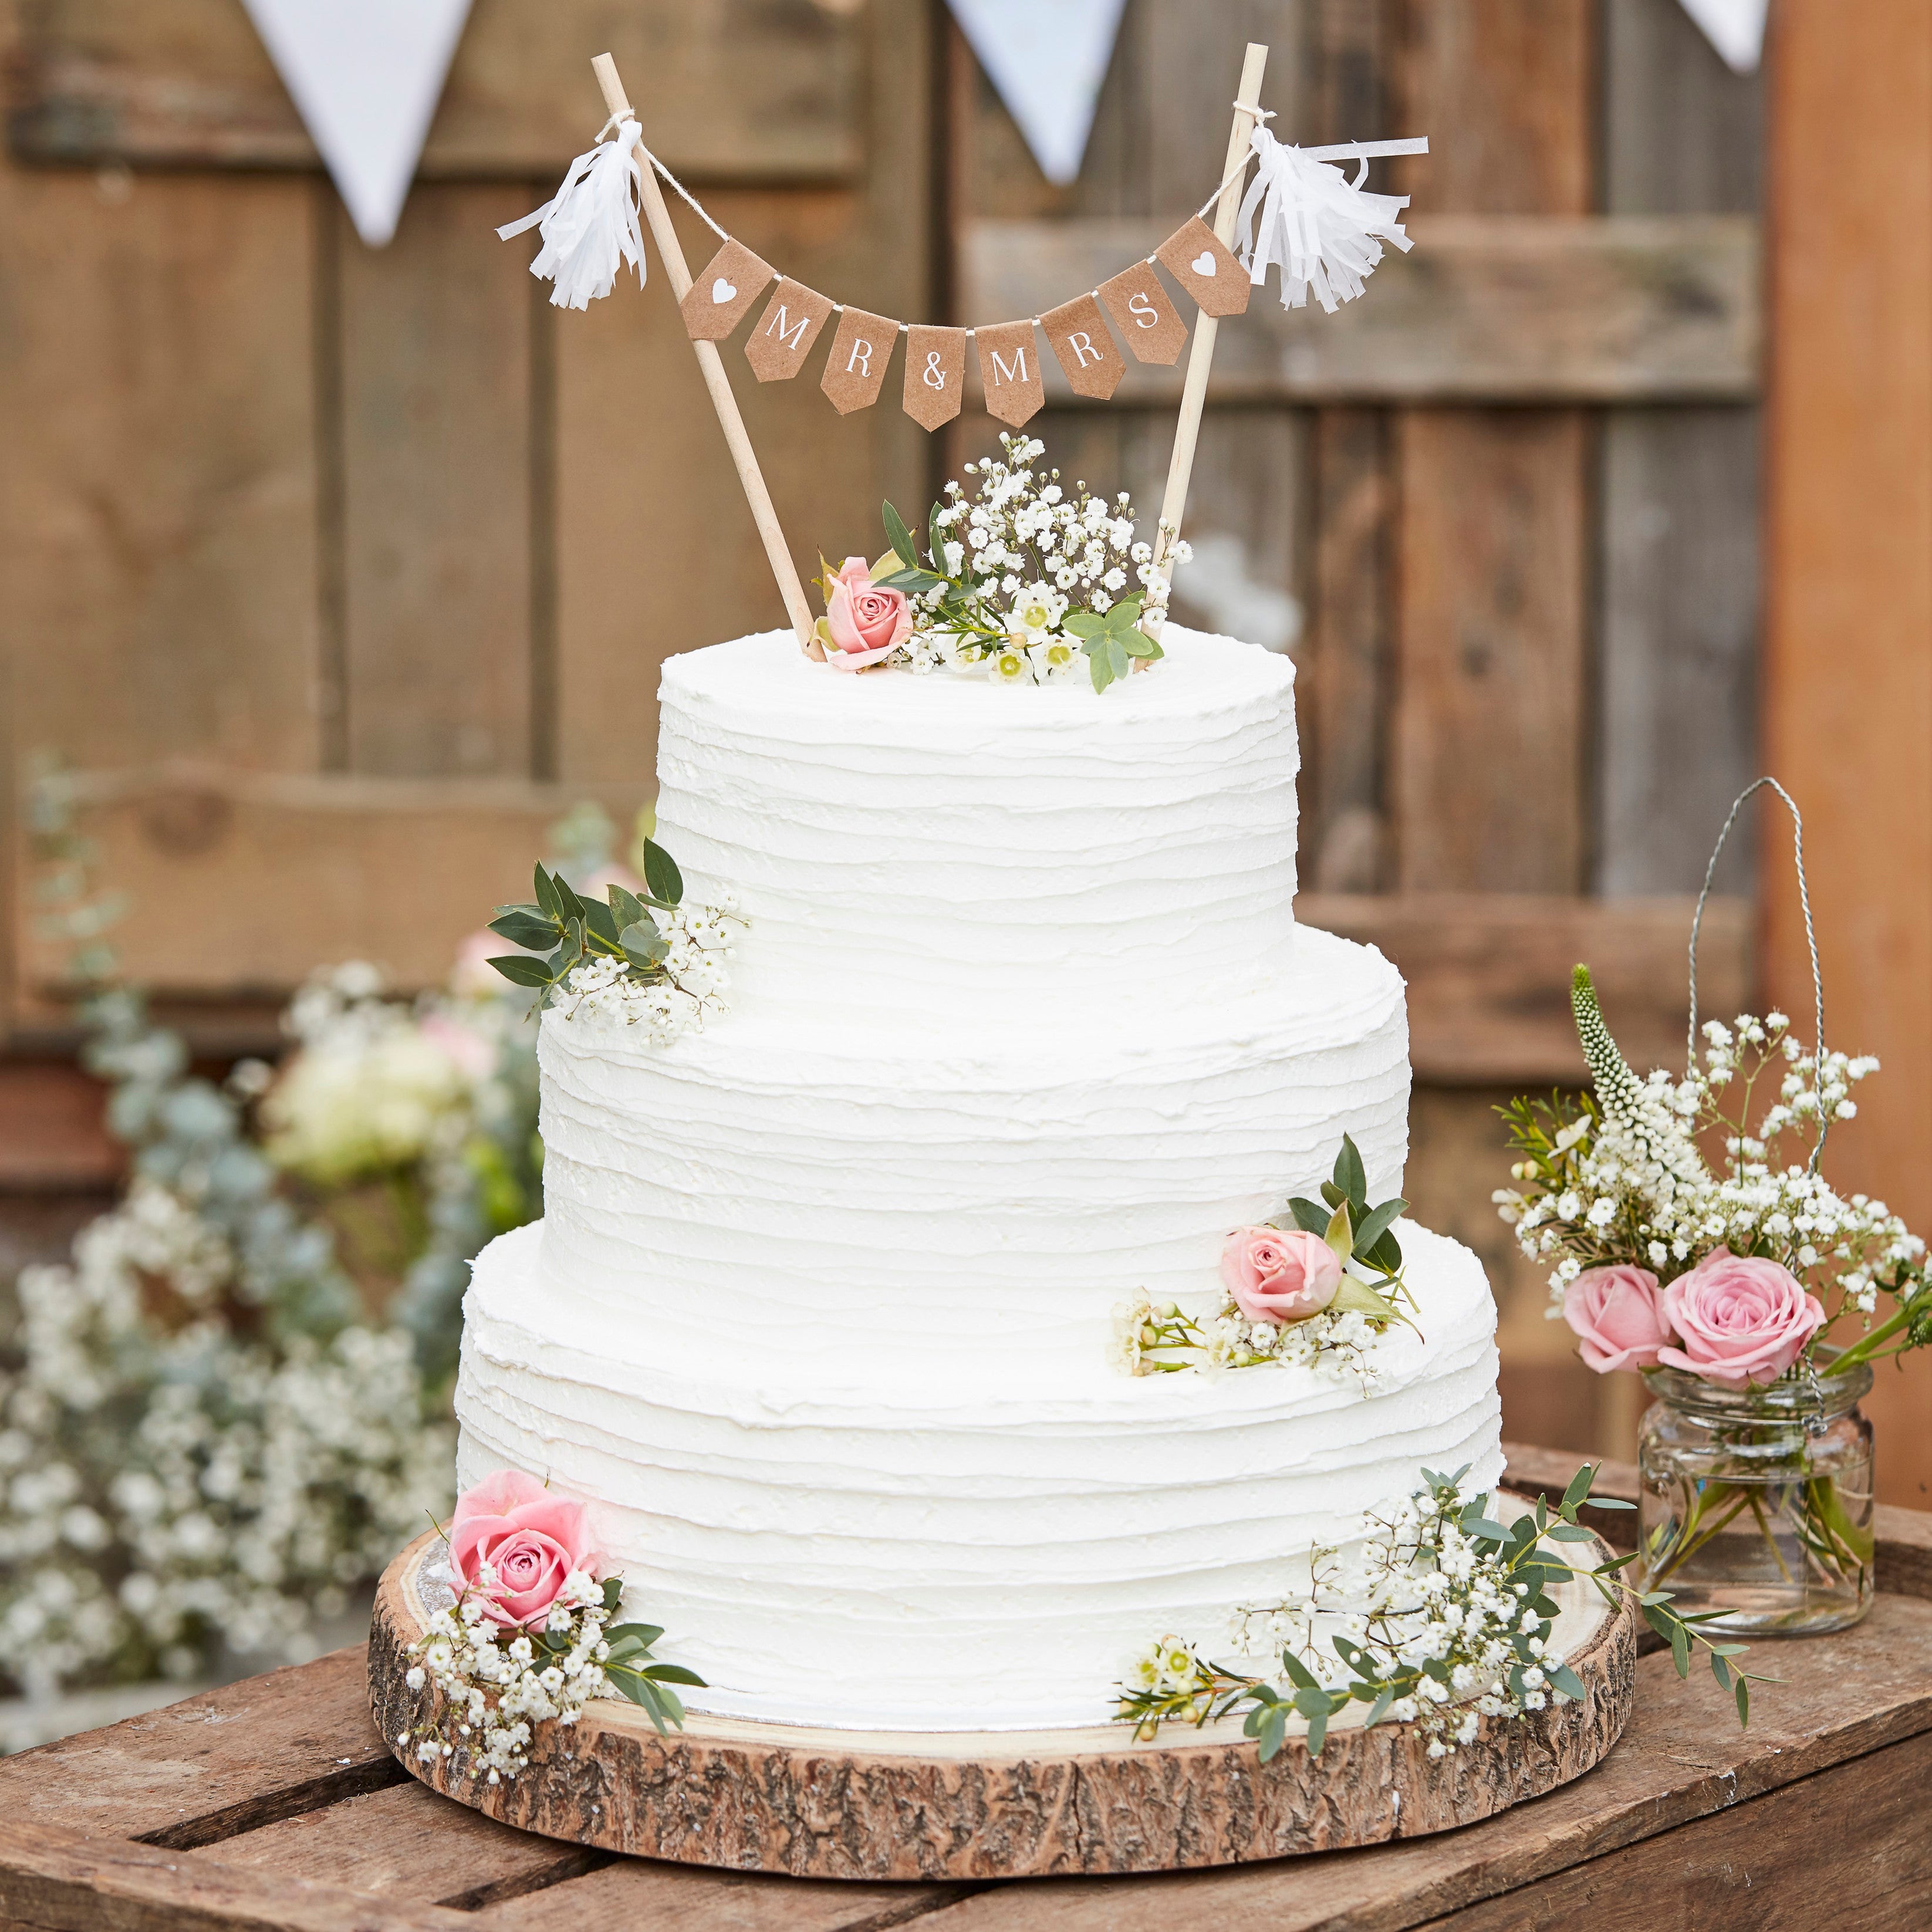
pixel 819 1316
pixel 904 1559
pixel 901 843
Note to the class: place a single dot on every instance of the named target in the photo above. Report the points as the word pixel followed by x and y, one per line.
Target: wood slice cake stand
pixel 753 1796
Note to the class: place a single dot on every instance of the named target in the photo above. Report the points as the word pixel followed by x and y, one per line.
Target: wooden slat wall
pixel 1512 543
pixel 1848 712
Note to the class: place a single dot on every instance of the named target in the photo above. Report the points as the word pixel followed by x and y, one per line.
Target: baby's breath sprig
pixel 1027 579
pixel 1450 1621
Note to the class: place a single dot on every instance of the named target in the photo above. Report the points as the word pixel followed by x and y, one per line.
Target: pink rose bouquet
pixel 864 623
pixel 1279 1276
pixel 513 1544
pixel 1743 1320
pixel 1617 1311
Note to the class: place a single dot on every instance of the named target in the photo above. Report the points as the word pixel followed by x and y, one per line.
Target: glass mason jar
pixel 1757 1503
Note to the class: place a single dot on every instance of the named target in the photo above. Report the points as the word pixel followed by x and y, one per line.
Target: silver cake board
pixel 748 1795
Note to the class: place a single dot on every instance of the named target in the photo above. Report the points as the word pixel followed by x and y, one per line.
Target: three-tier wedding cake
pixel 821 1315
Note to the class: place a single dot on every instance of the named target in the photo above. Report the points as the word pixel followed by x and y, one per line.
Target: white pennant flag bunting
pixel 1315 224
pixel 1735 28
pixel 365 76
pixel 1048 59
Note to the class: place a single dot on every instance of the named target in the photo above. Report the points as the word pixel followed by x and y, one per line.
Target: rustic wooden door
pixel 1503 512
pixel 335 573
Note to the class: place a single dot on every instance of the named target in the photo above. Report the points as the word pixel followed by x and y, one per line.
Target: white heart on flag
pixel 365 76
pixel 1048 63
pixel 722 292
pixel 1203 264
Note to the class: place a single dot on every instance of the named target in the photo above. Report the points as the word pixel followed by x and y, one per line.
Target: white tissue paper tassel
pixel 1315 222
pixel 589 228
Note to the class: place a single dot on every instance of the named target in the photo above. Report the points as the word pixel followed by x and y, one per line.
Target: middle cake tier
pixel 836 1206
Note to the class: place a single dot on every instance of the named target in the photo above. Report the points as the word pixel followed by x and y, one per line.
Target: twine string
pixel 1810 944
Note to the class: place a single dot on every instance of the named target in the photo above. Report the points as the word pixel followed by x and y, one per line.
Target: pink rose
pixel 531 1541
pixel 866 621
pixel 1619 1312
pixel 1279 1277
pixel 1744 1321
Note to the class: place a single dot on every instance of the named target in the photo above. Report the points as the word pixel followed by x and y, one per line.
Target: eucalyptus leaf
pixel 1350 1176
pixel 527 929
pixel 899 536
pixel 1338 1235
pixel 1371 1230
pixel 520 970
pixel 661 874
pixel 1310 1216
pixel 626 906
pixel 547 899
pixel 1083 624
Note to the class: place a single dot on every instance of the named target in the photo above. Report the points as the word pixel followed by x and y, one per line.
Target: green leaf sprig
pixel 1373 1673
pixel 1360 1235
pixel 1111 638
pixel 630 1667
pixel 566 929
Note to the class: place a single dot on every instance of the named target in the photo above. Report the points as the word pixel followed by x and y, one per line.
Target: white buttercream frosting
pixel 906 843
pixel 819 1315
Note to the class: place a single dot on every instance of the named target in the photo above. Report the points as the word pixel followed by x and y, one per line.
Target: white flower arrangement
pixel 700 942
pixel 1337 1345
pixel 1442 1618
pixel 1024 583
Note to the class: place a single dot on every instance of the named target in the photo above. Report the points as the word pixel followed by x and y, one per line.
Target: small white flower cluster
pixel 1430 1613
pixel 1161 1339
pixel 495 1685
pixel 696 977
pixel 1627 1182
pixel 1034 554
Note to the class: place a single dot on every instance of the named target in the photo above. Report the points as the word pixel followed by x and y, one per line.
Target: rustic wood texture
pixel 53 1129
pixel 435 464
pixel 1848 682
pixel 1678 1825
pixel 836 1804
pixel 733 90
pixel 1486 307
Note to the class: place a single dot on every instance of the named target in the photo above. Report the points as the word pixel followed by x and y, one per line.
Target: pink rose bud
pixel 530 1539
pixel 1618 1313
pixel 1279 1277
pixel 866 620
pixel 1744 1321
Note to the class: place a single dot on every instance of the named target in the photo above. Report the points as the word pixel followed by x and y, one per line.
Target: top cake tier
pixel 902 841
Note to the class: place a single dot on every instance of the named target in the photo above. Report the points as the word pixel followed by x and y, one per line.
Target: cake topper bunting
pixel 1299 212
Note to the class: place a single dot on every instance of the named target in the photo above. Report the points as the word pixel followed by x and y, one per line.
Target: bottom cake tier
pixel 919 1557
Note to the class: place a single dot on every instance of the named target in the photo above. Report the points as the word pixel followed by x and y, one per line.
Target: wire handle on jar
pixel 1810 943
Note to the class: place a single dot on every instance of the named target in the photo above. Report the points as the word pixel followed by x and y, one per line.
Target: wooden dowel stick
pixel 711 364
pixel 1194 391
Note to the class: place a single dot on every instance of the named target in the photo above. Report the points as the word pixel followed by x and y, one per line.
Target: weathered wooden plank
pixel 1682 1757
pixel 1848 678
pixel 642 1896
pixel 156 469
pixel 1676 737
pixel 407 1844
pixel 1489 974
pixel 435 455
pixel 735 90
pixel 1488 736
pixel 59 1881
pixel 53 1132
pixel 289 1741
pixel 1485 308
pixel 656 551
pixel 202 852
pixel 1848 1849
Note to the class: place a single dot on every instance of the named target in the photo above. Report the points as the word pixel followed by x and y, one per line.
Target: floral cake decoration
pixel 1027 582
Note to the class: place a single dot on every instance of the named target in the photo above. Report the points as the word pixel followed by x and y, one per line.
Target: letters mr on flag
pixel 786 331
pixel 1010 371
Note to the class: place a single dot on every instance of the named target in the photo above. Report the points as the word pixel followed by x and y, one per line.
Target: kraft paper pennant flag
pixel 728 284
pixel 1082 346
pixel 1150 324
pixel 860 350
pixel 365 76
pixel 935 374
pixel 1206 268
pixel 786 330
pixel 1010 371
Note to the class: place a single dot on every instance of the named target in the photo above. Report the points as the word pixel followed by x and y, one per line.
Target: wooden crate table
pixel 273 1803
